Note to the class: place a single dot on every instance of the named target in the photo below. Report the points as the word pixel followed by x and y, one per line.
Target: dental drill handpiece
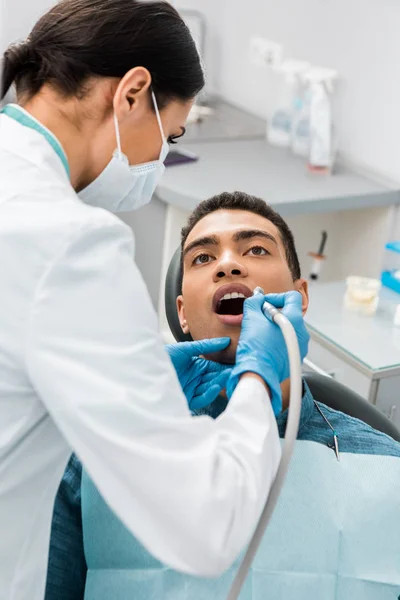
pixel 292 428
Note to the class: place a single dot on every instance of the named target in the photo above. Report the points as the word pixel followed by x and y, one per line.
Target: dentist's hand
pixel 201 380
pixel 290 305
pixel 262 348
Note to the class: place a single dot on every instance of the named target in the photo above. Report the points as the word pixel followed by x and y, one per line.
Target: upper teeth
pixel 232 296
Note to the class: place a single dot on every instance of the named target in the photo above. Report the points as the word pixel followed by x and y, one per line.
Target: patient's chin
pixel 224 357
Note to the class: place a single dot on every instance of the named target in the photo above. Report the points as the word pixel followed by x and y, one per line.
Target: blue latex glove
pixel 262 349
pixel 201 380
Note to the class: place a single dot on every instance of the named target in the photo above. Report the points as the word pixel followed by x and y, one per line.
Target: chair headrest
pixel 173 288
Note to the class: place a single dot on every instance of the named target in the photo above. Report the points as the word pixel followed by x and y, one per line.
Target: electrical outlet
pixel 264 53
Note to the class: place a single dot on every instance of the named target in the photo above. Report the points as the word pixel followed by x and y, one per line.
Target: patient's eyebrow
pixel 248 234
pixel 208 240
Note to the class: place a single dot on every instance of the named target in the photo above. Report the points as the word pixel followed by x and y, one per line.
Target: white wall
pixel 211 9
pixel 359 38
pixel 17 18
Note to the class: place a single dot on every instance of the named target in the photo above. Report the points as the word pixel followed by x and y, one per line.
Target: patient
pixel 225 255
pixel 335 533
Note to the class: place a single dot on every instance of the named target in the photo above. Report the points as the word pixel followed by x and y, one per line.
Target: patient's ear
pixel 180 307
pixel 301 285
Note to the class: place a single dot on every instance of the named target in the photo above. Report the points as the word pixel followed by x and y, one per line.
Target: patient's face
pixel 228 254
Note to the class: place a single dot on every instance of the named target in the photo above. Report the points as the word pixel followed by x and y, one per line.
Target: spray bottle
pixel 279 127
pixel 301 138
pixel 321 147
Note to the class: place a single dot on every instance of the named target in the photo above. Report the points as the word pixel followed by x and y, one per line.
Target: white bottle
pixel 301 137
pixel 280 126
pixel 320 128
pixel 321 147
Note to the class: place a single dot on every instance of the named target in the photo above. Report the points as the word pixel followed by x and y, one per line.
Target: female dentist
pixel 82 366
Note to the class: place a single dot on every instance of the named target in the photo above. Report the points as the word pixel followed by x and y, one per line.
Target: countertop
pixel 374 341
pixel 225 123
pixel 234 155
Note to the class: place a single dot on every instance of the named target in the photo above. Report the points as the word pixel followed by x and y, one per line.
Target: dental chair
pixel 323 388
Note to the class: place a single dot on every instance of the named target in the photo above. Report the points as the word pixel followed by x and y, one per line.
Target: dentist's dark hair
pixel 80 39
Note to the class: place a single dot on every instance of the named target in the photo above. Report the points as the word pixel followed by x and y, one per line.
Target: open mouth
pixel 231 304
pixel 228 303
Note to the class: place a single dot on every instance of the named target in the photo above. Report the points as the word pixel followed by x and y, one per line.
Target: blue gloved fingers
pixel 214 368
pixel 253 303
pixel 191 368
pixel 214 372
pixel 293 308
pixel 291 305
pixel 192 349
pixel 206 393
pixel 278 300
pixel 286 300
pixel 294 298
pixel 201 391
pixel 222 379
pixel 212 379
pixel 200 402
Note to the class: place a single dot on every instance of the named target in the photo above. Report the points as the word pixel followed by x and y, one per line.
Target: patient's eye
pixel 202 259
pixel 257 251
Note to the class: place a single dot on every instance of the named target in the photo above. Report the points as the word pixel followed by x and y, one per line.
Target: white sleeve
pixel 190 489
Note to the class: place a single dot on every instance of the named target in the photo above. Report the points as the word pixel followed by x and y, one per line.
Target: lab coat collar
pixel 21 116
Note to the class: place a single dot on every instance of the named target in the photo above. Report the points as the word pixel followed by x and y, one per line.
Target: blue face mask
pixel 122 187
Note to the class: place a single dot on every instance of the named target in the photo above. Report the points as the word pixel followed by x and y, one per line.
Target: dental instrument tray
pixel 391 269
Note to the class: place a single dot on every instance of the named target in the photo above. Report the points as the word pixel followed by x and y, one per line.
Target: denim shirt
pixel 67 566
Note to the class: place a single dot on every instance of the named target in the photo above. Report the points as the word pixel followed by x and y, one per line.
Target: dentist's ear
pixel 131 96
pixel 301 285
pixel 180 307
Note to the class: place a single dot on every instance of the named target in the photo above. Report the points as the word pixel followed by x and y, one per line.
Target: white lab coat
pixel 83 368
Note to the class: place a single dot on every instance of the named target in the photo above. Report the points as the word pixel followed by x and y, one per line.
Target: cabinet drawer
pixel 329 362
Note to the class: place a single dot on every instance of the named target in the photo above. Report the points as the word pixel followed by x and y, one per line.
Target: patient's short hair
pixel 242 201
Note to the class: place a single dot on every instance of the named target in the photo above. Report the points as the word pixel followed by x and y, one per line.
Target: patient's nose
pixel 229 266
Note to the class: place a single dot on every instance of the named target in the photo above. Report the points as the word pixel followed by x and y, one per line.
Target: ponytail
pixel 19 59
